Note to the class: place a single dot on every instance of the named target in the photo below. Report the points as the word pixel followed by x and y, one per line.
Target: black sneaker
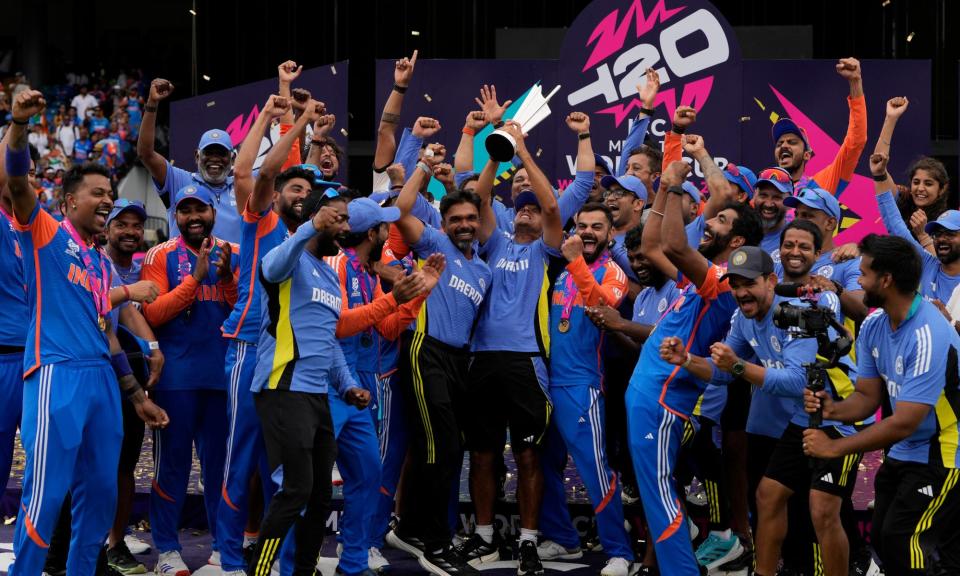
pixel 476 551
pixel 122 561
pixel 447 562
pixel 248 553
pixel 409 544
pixel 529 561
pixel 630 494
pixel 649 571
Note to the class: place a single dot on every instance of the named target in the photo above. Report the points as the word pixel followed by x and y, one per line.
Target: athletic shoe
pixel 476 551
pixel 740 566
pixel 234 573
pixel 339 572
pixel 339 549
pixel 648 571
pixel 717 551
pixel 447 562
pixel 136 545
pixel 696 494
pixel 619 567
pixel 862 564
pixel 410 545
pixel 528 562
pixel 248 554
pixel 214 559
pixel 630 494
pixel 550 550
pixel 376 561
pixel 122 561
pixel 171 564
pixel 694 529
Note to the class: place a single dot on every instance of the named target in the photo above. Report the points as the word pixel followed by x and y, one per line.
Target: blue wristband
pixel 121 367
pixel 18 161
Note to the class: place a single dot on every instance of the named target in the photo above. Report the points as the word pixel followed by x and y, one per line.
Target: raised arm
pixel 610 291
pixel 243 167
pixel 386 137
pixel 463 158
pixel 156 164
pixel 721 191
pixel 576 194
pixel 686 258
pixel 270 168
pixel 410 226
pixel 650 244
pixel 840 171
pixel 27 103
pixel 885 189
pixel 549 211
pixel 287 72
pixel 647 91
pixel 484 189
pixel 895 109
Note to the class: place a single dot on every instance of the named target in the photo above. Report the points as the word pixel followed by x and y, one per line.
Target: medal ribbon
pixel 363 279
pixel 183 258
pixel 570 287
pixel 99 286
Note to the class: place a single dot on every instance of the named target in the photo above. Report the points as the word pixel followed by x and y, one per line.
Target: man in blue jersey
pixel 69 346
pixel 508 372
pixel 214 160
pixel 773 185
pixel 907 361
pixel 779 370
pixel 661 397
pixel 822 208
pixel 940 273
pixel 433 368
pixel 273 211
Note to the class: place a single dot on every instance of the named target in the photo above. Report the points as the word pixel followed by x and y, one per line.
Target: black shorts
pixel 916 520
pixel 737 409
pixel 792 468
pixel 132 438
pixel 507 389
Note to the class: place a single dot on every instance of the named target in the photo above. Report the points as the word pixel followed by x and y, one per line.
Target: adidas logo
pixel 581 420
pixel 528 439
pixel 926 490
pixel 649 436
pixel 754 343
pixel 828 478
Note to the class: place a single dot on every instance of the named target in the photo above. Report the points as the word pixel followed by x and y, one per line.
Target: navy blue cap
pixel 525 198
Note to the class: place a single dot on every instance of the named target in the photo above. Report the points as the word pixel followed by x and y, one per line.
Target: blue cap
pixel 742 177
pixel 788 126
pixel 949 220
pixel 215 137
pixel 629 183
pixel 690 189
pixel 778 178
pixel 602 162
pixel 816 198
pixel 525 198
pixel 123 205
pixel 365 214
pixel 192 192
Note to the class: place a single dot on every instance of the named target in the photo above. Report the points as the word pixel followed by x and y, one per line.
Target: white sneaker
pixel 550 550
pixel 619 567
pixel 335 478
pixel 214 559
pixel 136 545
pixel 376 561
pixel 694 530
pixel 339 549
pixel 234 573
pixel 171 564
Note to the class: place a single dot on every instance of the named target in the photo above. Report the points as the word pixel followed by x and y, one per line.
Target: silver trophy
pixel 500 145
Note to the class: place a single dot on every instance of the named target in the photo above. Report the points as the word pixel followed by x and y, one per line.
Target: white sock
pixel 485 531
pixel 725 534
pixel 528 534
pixel 249 539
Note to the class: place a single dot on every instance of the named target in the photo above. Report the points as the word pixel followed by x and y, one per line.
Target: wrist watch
pixel 738 368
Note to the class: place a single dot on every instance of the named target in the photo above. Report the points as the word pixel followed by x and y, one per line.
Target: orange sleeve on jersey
pixel 712 286
pixel 42 230
pixel 396 323
pixel 355 320
pixel 170 302
pixel 845 162
pixel 672 149
pixel 610 292
pixel 293 157
pixel 395 247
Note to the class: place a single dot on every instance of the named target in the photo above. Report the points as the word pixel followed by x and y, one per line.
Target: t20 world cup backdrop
pixel 695 53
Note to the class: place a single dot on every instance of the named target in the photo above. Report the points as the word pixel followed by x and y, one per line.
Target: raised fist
pixel 578 122
pixel 289 71
pixel 675 174
pixel 275 107
pixel 434 154
pixel 425 127
pixel 475 120
pixel 849 68
pixel 299 98
pixel 572 248
pixel 684 116
pixel 897 106
pixel 160 89
pixel 878 163
pixel 693 145
pixel 28 103
pixel 323 124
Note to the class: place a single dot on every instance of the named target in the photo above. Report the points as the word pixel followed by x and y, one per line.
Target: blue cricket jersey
pixel 13 291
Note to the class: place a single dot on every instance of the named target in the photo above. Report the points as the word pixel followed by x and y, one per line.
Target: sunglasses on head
pixel 775 175
pixel 735 171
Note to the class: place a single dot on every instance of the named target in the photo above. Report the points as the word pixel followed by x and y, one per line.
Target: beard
pixel 217 179
pixel 293 212
pixel 872 299
pixel 326 246
pixel 376 252
pixel 714 248
pixel 196 239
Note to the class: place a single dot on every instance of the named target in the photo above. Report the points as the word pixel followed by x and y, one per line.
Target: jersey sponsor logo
pixel 327 299
pixel 826 272
pixel 513 265
pixel 893 389
pixel 462 286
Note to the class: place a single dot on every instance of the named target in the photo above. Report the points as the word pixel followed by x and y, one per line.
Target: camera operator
pixel 908 360
pixel 781 371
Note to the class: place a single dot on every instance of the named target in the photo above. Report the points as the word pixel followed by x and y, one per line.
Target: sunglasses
pixel 616 194
pixel 775 174
pixel 734 170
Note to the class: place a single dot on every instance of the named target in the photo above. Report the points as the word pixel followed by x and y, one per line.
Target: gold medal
pixel 102 323
pixel 564 326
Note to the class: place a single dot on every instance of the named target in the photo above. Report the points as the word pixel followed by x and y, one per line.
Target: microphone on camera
pixel 794 290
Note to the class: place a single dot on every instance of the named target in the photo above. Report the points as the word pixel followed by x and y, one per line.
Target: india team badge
pixel 739 258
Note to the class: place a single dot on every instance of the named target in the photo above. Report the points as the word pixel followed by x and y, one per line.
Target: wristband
pixel 647 111
pixel 469 131
pixel 399 89
pixel 583 136
pixel 317 142
pixel 126 291
pixel 426 169
pixel 20 123
pixel 18 161
pixel 121 367
pixel 153 345
pixel 676 190
pixel 880 178
pixel 687 362
pixel 150 108
pixel 678 129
